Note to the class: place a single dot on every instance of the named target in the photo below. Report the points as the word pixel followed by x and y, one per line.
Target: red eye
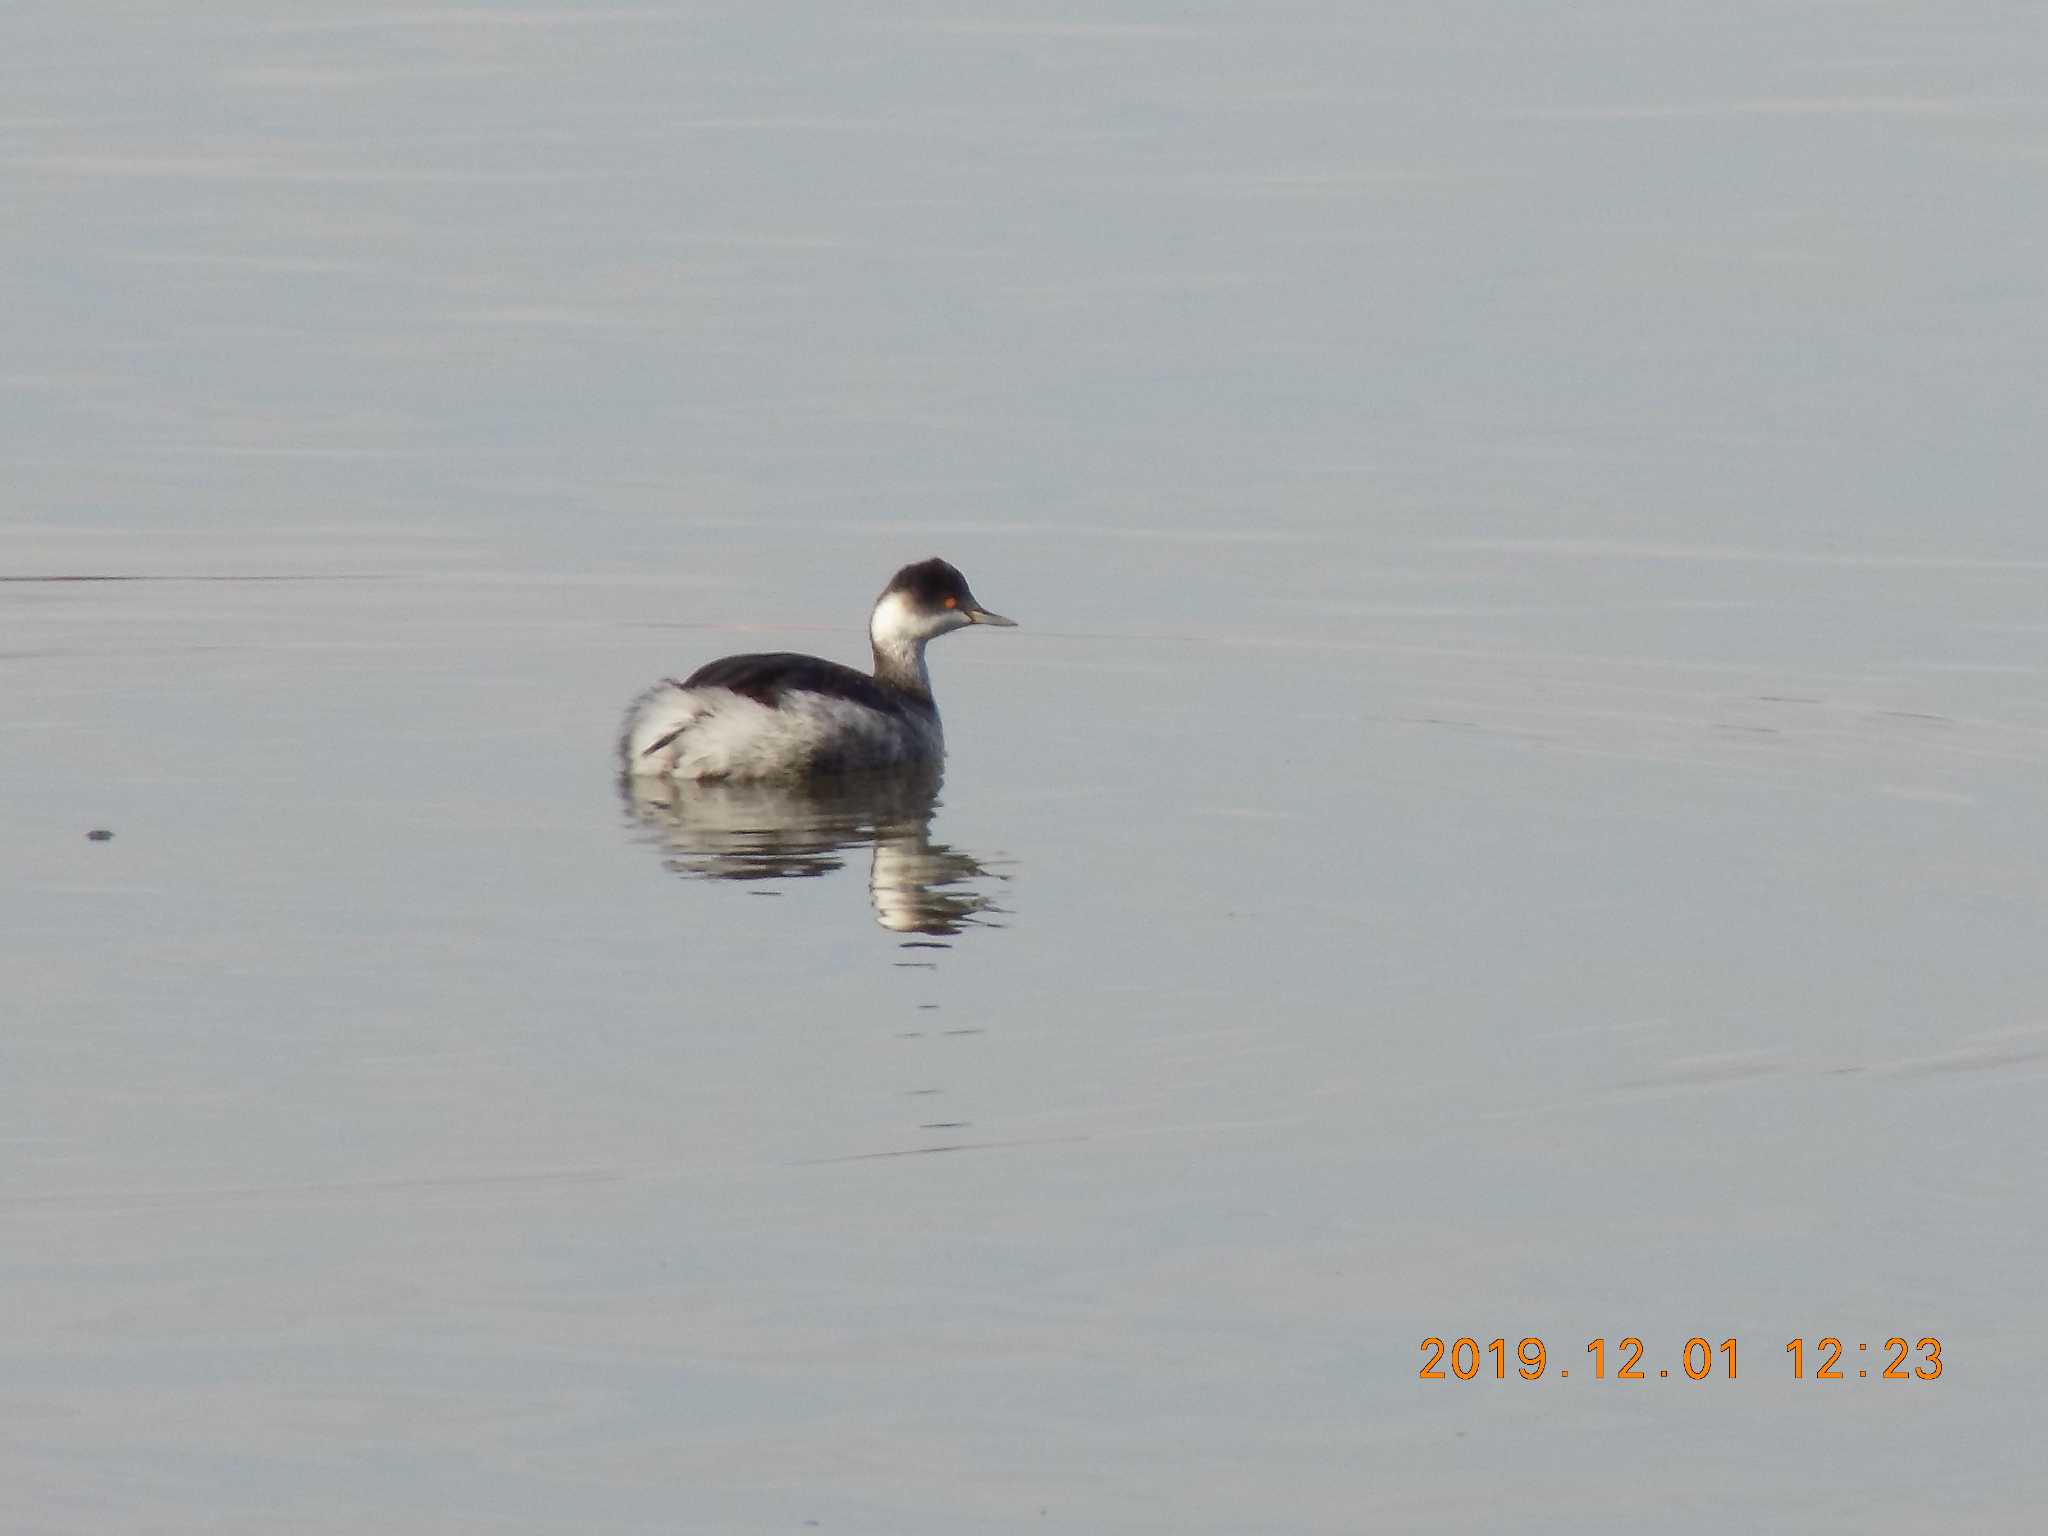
pixel 952 602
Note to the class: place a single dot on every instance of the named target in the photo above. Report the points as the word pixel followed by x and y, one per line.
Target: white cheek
pixel 896 623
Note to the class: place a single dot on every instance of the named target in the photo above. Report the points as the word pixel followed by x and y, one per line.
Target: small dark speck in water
pixel 916 965
pixel 924 944
pixel 909 1034
pixel 764 893
pixel 962 1031
pixel 99 835
pixel 927 1007
pixel 916 1092
pixel 945 1125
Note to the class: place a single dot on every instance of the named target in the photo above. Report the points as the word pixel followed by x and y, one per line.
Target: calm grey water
pixel 1517 808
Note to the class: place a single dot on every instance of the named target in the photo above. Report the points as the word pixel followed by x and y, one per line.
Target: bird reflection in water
pixel 780 831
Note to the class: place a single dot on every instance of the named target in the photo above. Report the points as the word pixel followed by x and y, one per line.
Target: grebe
pixel 783 715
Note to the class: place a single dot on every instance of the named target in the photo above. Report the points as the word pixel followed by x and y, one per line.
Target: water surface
pixel 1516 807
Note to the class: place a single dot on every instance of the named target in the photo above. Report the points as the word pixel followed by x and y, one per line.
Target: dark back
pixel 768 676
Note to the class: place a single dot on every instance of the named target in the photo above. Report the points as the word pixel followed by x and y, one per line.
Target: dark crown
pixel 929 583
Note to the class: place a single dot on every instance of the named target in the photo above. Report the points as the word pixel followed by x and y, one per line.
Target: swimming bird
pixel 783 715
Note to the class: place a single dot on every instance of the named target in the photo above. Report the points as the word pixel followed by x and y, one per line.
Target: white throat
pixel 898 633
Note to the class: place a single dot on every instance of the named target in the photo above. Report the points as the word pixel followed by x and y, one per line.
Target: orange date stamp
pixel 1700 1359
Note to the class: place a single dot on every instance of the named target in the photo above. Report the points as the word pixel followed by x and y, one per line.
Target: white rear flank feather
pixel 715 733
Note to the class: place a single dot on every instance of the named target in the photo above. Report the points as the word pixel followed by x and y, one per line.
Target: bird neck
pixel 899 664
